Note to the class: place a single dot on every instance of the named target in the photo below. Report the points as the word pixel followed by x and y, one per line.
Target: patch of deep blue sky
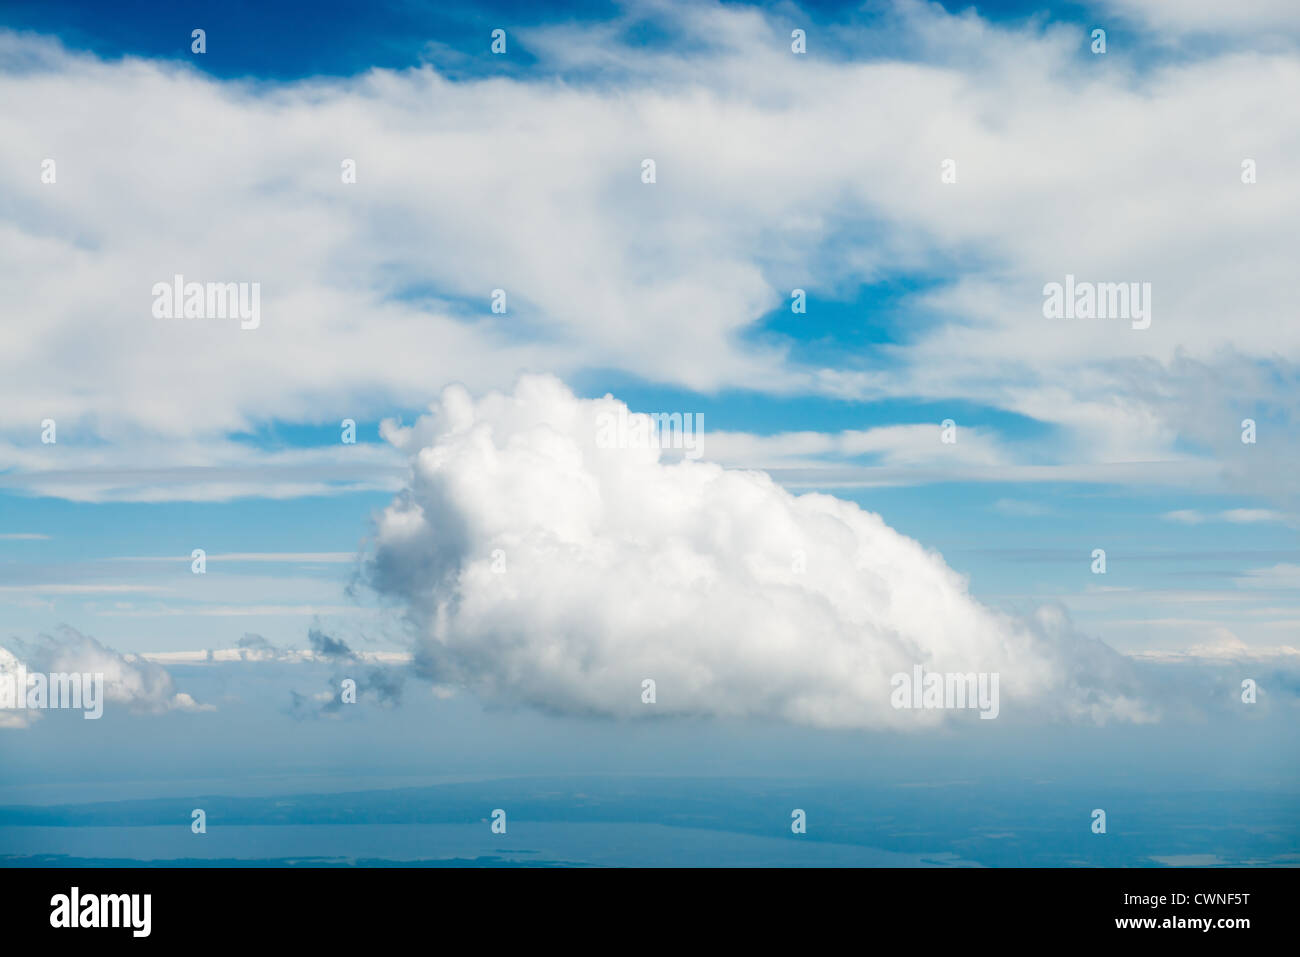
pixel 286 41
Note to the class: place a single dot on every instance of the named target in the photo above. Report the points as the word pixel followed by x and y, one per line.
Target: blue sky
pixel 280 42
pixel 775 171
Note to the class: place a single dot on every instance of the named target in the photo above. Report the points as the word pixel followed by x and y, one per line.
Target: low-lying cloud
pixel 140 686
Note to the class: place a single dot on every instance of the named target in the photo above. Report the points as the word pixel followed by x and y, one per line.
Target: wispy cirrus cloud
pixel 1237 516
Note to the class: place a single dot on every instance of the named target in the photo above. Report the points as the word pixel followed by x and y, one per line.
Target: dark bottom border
pixel 666 908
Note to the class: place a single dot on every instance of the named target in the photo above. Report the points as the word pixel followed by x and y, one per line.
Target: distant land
pixel 622 821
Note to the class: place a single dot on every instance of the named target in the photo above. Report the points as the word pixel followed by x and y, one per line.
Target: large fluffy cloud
pixel 539 566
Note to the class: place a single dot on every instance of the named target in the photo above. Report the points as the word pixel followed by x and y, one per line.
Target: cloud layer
pixel 775 171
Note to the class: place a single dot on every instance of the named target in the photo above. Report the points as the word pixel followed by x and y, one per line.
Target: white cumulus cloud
pixel 141 686
pixel 538 567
